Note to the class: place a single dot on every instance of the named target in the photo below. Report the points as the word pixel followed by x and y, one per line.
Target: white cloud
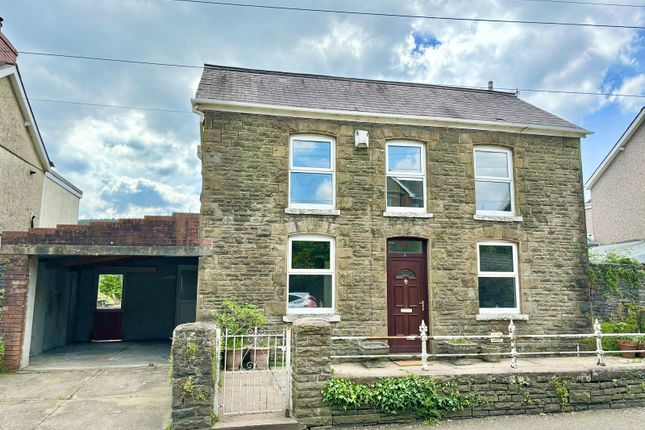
pixel 126 169
pixel 631 85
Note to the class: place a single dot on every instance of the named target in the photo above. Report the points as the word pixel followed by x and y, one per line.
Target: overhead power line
pixel 205 66
pixel 405 15
pixel 105 105
pixel 584 3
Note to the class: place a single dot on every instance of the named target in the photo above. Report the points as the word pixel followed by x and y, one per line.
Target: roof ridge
pixel 347 78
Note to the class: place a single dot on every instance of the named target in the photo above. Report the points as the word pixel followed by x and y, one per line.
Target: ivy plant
pixel 428 398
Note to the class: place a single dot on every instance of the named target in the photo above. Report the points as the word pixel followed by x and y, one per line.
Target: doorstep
pixel 270 421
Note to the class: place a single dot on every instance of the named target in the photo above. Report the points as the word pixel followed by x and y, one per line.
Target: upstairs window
pixel 498 277
pixel 311 274
pixel 406 177
pixel 312 172
pixel 494 181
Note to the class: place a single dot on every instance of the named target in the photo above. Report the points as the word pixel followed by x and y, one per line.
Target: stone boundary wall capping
pixel 610 305
pixel 527 393
pixel 310 370
pixel 194 363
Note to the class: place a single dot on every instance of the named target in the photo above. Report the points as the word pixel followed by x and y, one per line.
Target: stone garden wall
pixel 528 393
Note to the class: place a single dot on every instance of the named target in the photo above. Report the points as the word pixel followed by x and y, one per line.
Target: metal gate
pixel 255 372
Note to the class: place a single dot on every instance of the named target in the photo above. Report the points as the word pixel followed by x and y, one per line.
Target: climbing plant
pixel 616 272
pixel 428 398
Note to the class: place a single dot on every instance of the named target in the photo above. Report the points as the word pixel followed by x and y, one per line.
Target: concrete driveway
pixel 88 399
pixel 133 394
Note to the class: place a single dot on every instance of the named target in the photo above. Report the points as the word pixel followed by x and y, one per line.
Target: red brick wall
pixel 15 282
pixel 180 229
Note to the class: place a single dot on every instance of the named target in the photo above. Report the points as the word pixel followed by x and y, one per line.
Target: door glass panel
pixel 497 293
pixel 405 246
pixel 188 289
pixel 495 258
pixel 493 196
pixel 110 291
pixel 405 273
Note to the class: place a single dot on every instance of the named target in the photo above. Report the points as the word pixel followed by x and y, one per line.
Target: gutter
pixel 200 105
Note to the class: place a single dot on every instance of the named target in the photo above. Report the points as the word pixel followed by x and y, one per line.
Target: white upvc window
pixel 312 176
pixel 405 164
pixel 498 280
pixel 310 275
pixel 494 181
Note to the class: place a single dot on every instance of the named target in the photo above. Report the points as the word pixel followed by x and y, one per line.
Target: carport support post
pixel 311 369
pixel 194 363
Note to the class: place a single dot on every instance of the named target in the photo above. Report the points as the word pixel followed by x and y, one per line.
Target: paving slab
pixel 42 386
pixel 23 414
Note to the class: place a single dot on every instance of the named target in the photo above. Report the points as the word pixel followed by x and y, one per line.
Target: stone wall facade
pixel 245 168
pixel 528 393
pixel 194 363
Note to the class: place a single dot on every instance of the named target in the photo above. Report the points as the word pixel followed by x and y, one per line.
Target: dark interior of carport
pixel 158 293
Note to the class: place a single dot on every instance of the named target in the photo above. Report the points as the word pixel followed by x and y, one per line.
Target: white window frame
pixel 514 275
pixel 406 175
pixel 331 271
pixel 331 170
pixel 508 180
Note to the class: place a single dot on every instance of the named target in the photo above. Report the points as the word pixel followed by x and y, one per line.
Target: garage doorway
pixel 128 299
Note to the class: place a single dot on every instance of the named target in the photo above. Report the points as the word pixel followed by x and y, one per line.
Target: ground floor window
pixel 498 277
pixel 310 281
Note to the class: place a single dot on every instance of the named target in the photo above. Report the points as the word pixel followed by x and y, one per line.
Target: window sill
pixel 290 318
pixel 407 214
pixel 501 218
pixel 502 317
pixel 304 211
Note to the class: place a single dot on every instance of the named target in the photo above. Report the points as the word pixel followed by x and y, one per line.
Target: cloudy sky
pixel 132 162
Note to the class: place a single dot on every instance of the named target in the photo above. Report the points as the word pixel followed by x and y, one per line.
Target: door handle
pixel 423 305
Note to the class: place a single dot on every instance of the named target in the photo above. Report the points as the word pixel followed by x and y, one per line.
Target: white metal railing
pixel 512 336
pixel 255 376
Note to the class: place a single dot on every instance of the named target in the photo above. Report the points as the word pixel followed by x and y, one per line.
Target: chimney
pixel 8 54
pixel 490 85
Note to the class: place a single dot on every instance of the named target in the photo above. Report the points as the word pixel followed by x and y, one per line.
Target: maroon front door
pixel 407 291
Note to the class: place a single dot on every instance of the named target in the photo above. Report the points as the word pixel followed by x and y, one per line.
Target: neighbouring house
pixel 617 189
pixel 32 194
pixel 380 204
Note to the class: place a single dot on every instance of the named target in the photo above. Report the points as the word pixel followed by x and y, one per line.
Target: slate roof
pixel 232 84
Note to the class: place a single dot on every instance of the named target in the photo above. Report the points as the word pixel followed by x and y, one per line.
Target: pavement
pixel 102 386
pixel 615 419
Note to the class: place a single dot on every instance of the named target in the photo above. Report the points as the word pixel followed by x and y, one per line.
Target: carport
pixel 52 298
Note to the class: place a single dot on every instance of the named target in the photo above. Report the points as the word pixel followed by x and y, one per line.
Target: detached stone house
pixel 32 194
pixel 380 204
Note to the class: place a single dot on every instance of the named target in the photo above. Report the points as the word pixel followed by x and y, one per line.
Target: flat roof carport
pixel 98 242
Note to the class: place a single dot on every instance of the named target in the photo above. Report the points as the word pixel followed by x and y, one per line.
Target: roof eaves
pixel 615 150
pixel 303 112
pixel 16 81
